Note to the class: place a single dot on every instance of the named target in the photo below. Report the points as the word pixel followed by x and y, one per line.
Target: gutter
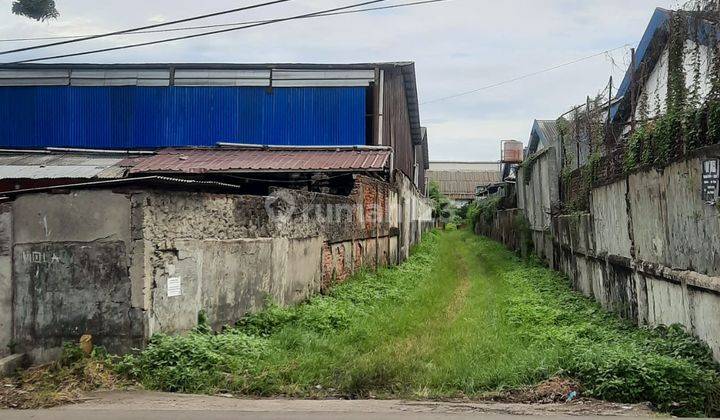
pixel 100 151
pixel 280 147
pixel 111 182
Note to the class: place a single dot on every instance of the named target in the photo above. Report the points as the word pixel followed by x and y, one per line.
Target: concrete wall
pixel 504 228
pixel 230 256
pixel 656 85
pixel 6 286
pixel 125 265
pixel 230 278
pixel 537 196
pixel 71 259
pixel 414 215
pixel 649 249
pixel 610 219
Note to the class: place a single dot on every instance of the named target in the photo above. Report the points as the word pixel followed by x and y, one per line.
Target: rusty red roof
pixel 263 160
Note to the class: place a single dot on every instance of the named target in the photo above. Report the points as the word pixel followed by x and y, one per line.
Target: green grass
pixel 462 317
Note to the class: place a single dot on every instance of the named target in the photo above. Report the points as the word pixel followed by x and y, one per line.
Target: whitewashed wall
pixel 656 85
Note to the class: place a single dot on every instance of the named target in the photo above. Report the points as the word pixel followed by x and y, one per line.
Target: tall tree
pixel 40 10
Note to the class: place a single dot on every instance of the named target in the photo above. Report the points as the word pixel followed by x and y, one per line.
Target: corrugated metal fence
pixel 151 117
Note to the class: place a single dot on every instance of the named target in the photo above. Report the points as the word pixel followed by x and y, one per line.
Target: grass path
pixel 462 317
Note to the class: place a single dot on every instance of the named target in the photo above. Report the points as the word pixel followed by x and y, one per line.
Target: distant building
pixel 460 181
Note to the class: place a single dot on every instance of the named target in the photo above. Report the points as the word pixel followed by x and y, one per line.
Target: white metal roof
pixel 279 77
pixel 59 165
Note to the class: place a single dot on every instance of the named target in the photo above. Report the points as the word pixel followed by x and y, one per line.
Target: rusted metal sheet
pixel 265 160
pixel 396 118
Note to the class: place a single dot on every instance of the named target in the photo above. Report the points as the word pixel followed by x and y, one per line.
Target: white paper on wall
pixel 174 286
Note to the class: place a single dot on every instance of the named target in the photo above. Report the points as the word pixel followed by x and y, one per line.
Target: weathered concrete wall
pixel 72 255
pixel 341 260
pixel 672 226
pixel 230 278
pixel 414 213
pixel 230 256
pixel 123 266
pixel 6 286
pixel 649 249
pixel 537 195
pixel 610 219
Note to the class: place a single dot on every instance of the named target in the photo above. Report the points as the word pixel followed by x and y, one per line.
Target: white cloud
pixel 458 46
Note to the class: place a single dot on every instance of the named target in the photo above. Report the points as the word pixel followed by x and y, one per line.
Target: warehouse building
pixel 137 195
pixel 460 181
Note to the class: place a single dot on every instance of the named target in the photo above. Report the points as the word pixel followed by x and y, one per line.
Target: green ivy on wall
pixel 686 123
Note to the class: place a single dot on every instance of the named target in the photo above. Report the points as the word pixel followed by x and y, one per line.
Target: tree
pixel 40 10
pixel 441 204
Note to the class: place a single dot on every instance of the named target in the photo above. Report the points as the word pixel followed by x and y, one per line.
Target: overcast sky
pixel 457 46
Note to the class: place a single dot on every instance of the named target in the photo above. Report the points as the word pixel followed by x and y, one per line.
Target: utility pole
pixel 633 90
pixel 589 124
pixel 609 133
pixel 610 98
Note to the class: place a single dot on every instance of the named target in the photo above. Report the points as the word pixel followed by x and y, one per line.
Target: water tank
pixel 512 151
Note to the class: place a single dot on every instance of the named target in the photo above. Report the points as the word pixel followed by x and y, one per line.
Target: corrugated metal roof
pixel 266 160
pixel 425 149
pixel 544 134
pixel 195 76
pixel 135 117
pixel 142 181
pixel 462 184
pixel 59 165
pixel 549 130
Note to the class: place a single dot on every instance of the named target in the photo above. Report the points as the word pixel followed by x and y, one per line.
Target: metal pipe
pixel 283 147
pixel 101 151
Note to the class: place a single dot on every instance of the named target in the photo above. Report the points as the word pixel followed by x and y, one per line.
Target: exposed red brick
pixel 341 268
pixel 358 255
pixel 369 202
pixel 328 269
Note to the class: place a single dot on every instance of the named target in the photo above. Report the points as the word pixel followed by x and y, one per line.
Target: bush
pixel 486 211
pixel 611 358
pixel 471 214
pixel 196 362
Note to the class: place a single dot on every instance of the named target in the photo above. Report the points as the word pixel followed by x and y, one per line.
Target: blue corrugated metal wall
pixel 150 117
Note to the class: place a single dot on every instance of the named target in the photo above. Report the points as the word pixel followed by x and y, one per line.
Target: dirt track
pixel 132 403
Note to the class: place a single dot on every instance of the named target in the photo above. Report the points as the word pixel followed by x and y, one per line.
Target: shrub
pixel 613 359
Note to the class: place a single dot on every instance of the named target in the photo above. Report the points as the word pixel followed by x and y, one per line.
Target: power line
pixel 225 25
pixel 124 31
pixel 142 44
pixel 525 76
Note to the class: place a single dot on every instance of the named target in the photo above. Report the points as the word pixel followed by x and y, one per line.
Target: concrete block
pixel 82 216
pixel 10 364
pixel 610 218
